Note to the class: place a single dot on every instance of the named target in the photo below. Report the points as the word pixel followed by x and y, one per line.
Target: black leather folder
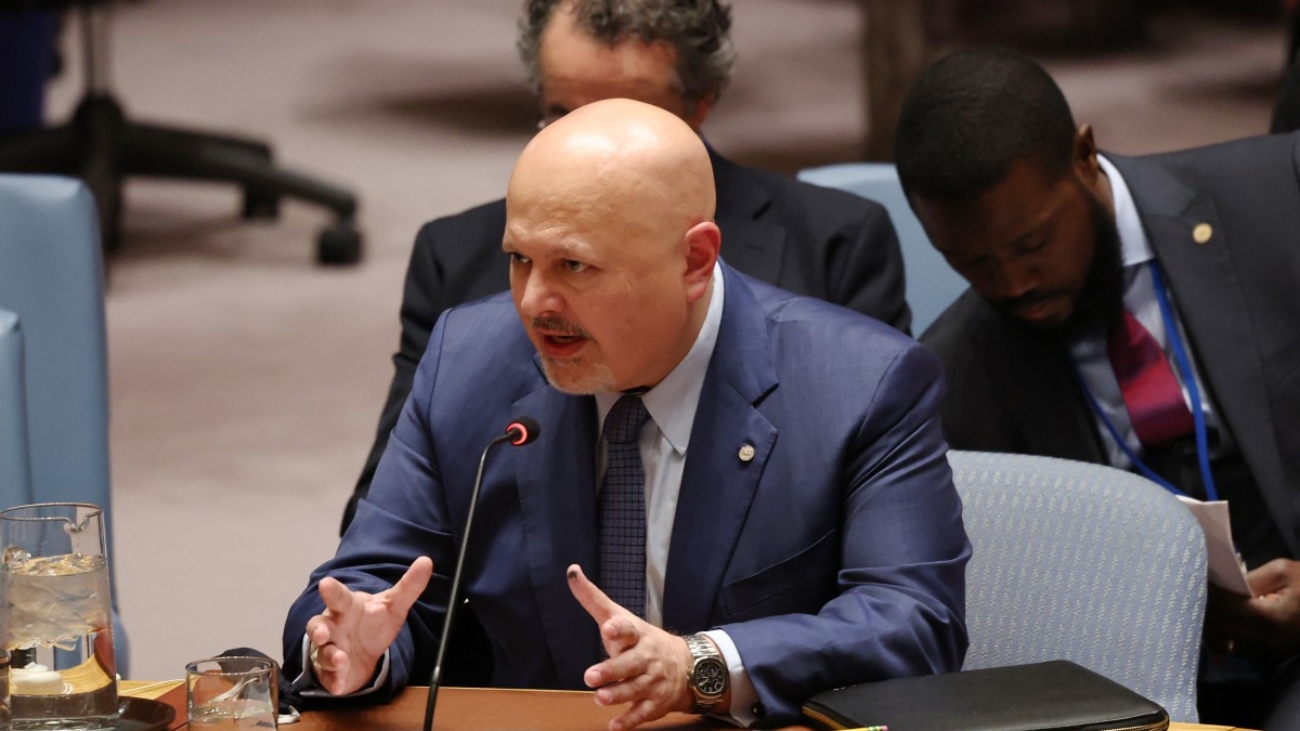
pixel 1049 696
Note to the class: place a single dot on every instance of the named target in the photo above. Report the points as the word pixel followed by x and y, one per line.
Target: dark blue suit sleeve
pixel 901 604
pixel 404 517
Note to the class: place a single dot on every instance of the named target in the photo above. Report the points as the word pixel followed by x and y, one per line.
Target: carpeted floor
pixel 246 381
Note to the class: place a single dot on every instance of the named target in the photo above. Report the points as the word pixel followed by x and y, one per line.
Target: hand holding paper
pixel 1226 569
pixel 1265 627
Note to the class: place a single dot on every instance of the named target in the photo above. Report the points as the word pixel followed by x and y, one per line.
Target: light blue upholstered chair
pixel 51 276
pixel 1086 563
pixel 932 285
pixel 15 472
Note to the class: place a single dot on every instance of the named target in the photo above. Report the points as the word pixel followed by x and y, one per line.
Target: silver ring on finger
pixel 314 656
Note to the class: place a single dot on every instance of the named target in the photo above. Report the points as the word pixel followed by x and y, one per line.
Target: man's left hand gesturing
pixel 646 667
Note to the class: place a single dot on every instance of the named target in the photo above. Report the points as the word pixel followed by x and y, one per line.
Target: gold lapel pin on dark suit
pixel 1202 233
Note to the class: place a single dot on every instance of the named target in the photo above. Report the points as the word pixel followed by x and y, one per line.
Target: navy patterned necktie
pixel 622 507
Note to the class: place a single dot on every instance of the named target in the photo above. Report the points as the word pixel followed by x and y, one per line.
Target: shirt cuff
pixel 745 708
pixel 307 686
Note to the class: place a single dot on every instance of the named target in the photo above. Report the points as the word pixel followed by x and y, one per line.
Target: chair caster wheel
pixel 339 244
pixel 261 207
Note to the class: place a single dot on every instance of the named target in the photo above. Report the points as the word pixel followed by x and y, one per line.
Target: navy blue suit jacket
pixel 803 238
pixel 836 555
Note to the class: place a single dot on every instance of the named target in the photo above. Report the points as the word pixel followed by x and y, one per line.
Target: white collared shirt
pixel 672 404
pixel 1139 298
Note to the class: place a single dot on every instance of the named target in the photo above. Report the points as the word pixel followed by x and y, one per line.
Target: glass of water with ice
pixel 56 611
pixel 231 693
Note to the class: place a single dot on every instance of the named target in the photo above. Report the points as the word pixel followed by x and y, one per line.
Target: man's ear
pixel 1083 158
pixel 1087 168
pixel 703 243
pixel 700 111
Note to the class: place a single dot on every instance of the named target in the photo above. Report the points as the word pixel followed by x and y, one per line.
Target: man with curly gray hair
pixel 696 33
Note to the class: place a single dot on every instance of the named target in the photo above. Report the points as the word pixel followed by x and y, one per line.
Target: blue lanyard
pixel 1193 391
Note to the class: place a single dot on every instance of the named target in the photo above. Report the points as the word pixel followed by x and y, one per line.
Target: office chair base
pixel 260 207
pixel 339 244
pixel 101 146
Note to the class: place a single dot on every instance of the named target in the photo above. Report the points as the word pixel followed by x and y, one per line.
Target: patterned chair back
pixel 1086 563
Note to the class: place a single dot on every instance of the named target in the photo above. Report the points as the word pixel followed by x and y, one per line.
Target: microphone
pixel 519 432
pixel 522 431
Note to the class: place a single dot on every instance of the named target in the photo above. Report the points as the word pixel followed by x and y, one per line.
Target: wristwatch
pixel 708 676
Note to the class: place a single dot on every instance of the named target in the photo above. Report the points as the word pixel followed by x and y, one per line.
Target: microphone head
pixel 524 430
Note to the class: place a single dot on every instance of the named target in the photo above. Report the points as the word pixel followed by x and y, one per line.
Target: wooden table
pixel 475 709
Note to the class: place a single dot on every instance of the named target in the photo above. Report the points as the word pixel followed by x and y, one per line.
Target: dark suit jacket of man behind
pixel 803 238
pixel 833 554
pixel 1238 296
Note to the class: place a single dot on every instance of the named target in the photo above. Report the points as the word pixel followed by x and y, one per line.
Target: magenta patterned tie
pixel 1151 393
pixel 622 507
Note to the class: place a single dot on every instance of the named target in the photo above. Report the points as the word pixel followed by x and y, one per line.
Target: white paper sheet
pixel 1226 569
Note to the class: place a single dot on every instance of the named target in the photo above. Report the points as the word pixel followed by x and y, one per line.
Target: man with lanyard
pixel 1137 312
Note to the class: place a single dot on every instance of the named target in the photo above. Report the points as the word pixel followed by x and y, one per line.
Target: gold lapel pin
pixel 1202 233
pixel 746 453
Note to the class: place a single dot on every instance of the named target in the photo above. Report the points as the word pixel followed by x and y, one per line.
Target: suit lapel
pixel 750 242
pixel 1209 295
pixel 718 482
pixel 557 496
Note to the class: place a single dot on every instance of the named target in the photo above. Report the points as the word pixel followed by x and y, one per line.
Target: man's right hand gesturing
pixel 356 628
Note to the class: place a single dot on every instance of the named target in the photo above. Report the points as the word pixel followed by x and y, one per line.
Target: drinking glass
pixel 57 610
pixel 230 693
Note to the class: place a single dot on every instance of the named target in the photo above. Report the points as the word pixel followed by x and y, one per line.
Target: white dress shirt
pixel 664 440
pixel 1139 298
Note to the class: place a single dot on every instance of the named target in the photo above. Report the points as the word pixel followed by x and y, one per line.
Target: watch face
pixel 711 678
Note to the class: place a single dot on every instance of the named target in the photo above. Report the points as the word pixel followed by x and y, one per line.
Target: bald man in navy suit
pixel 676 55
pixel 801 529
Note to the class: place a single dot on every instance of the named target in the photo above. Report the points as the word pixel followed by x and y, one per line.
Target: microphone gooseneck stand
pixel 518 433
